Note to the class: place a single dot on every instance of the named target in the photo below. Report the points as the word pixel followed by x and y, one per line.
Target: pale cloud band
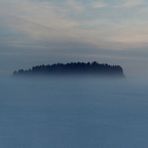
pixel 99 23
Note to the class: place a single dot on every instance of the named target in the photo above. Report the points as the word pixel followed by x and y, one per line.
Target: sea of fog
pixel 73 112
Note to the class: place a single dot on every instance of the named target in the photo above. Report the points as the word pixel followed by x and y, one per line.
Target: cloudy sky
pixel 47 31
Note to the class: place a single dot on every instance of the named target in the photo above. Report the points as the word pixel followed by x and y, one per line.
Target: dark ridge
pixel 73 68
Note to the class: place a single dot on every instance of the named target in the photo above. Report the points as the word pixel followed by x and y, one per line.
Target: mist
pixel 73 112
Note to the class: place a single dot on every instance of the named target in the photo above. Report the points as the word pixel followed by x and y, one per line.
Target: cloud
pixel 75 6
pixel 49 31
pixel 99 4
pixel 130 3
pixel 133 3
pixel 38 21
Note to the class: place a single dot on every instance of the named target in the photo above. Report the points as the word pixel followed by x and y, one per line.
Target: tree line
pixel 73 68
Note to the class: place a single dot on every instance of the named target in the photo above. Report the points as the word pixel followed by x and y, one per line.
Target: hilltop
pixel 73 68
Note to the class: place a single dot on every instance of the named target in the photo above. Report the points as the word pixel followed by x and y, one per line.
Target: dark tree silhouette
pixel 74 68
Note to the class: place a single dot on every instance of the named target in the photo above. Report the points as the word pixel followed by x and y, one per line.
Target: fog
pixel 73 112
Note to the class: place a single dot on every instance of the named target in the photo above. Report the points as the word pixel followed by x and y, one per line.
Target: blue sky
pixel 47 31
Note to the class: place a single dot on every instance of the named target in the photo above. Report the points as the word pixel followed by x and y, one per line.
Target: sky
pixel 36 32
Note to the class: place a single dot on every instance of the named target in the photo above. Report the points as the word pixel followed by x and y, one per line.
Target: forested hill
pixel 74 68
